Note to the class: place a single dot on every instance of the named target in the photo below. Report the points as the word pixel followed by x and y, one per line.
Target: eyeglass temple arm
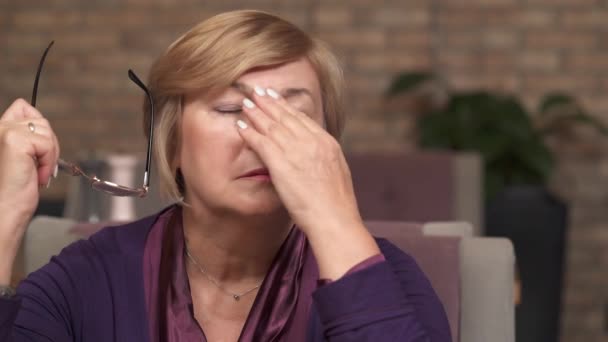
pixel 35 90
pixel 69 168
pixel 139 83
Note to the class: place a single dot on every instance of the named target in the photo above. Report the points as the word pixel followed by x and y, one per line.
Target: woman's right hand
pixel 27 162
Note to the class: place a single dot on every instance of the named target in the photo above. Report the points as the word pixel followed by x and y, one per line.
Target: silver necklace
pixel 235 296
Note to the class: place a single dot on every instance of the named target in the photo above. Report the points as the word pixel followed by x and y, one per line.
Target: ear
pixel 179 180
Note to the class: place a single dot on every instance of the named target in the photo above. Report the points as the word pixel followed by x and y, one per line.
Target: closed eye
pixel 229 109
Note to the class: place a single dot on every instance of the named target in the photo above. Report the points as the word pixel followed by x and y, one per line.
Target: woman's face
pixel 214 158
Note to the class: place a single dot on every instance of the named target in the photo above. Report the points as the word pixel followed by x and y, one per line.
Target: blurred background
pixel 530 76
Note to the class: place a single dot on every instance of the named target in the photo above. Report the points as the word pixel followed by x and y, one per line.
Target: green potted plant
pixel 517 167
pixel 497 126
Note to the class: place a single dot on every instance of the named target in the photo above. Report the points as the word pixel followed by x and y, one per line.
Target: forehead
pixel 297 74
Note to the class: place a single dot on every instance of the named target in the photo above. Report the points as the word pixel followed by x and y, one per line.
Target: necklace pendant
pixel 236 297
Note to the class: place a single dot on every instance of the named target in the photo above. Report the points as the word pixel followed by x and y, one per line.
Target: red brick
pixel 108 18
pixel 462 40
pixel 560 39
pixel 376 84
pixel 561 82
pixel 564 3
pixel 592 18
pixel 501 82
pixel 364 39
pixel 535 61
pixel 83 40
pixel 368 61
pixel 536 18
pixel 391 61
pixel 18 42
pixel 398 17
pixel 500 39
pixel 489 38
pixel 587 61
pixel 408 39
pixel 408 60
pixel 498 61
pixel 454 60
pixel 37 20
pixel 479 3
pixel 501 18
pixel 494 18
pixel 333 17
pixel 469 18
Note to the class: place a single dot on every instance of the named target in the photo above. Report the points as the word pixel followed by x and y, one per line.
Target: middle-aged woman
pixel 265 242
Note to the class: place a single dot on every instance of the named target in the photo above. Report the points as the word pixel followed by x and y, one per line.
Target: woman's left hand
pixel 306 164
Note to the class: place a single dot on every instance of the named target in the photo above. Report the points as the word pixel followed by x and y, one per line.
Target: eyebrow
pixel 285 93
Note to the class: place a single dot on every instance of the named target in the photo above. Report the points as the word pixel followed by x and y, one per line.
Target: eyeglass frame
pixel 96 183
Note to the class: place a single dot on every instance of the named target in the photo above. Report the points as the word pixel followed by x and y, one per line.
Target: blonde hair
pixel 213 55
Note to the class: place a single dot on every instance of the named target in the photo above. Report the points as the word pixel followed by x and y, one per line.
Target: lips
pixel 256 172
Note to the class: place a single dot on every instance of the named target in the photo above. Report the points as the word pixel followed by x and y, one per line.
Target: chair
pixel 473 276
pixel 44 237
pixel 47 236
pixel 419 186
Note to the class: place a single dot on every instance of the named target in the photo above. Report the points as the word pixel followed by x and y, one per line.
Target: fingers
pixel 276 126
pixel 265 124
pixel 46 157
pixel 281 105
pixel 39 149
pixel 19 110
pixel 264 146
pixel 40 142
pixel 35 138
pixel 276 107
pixel 42 127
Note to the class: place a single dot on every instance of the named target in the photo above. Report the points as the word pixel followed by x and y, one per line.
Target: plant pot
pixel 535 221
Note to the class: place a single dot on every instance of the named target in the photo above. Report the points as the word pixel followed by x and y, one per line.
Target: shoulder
pixel 89 285
pixel 123 239
pixel 122 243
pixel 109 256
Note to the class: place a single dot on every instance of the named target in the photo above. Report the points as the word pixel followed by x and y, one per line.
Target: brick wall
pixel 526 47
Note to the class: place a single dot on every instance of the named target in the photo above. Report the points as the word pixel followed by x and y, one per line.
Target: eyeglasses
pixel 96 183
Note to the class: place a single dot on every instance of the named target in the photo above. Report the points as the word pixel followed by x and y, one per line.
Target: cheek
pixel 211 141
pixel 319 118
pixel 318 115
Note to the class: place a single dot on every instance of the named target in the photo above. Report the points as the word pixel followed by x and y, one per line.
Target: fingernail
pixel 55 171
pixel 272 93
pixel 49 182
pixel 248 103
pixel 259 90
pixel 241 124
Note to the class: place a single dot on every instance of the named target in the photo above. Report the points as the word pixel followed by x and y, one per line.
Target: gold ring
pixel 32 127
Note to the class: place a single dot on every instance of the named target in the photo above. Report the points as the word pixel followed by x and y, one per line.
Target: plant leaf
pixel 553 100
pixel 407 81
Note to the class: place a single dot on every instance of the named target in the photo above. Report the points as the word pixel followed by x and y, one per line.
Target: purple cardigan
pixel 93 291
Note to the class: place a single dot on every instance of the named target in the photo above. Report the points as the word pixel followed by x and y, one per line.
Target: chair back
pixel 418 187
pixel 437 256
pixel 472 276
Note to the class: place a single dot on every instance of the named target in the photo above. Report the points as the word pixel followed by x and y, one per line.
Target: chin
pixel 243 203
pixel 260 208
